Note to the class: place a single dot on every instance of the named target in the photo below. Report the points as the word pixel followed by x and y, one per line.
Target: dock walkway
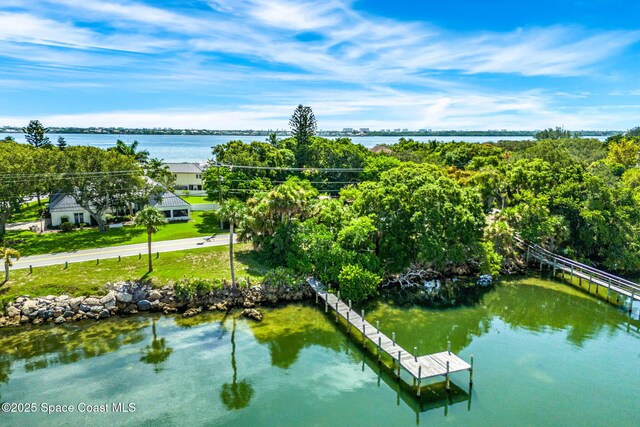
pixel 419 367
pixel 623 289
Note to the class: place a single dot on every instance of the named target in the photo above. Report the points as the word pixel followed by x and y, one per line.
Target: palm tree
pixel 232 211
pixel 152 219
pixel 7 254
pixel 132 150
pixel 157 352
pixel 237 394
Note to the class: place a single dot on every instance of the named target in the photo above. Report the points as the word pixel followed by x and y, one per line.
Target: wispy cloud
pixel 281 52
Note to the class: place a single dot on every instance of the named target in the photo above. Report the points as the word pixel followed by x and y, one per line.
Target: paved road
pixel 115 251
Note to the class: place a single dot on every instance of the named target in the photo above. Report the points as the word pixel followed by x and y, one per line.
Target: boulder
pixel 155 295
pixel 91 301
pixel 108 300
pixel 28 306
pixel 12 311
pixel 74 303
pixel 37 321
pixel 144 305
pixel 104 313
pixel 192 312
pixel 97 309
pixel 24 319
pixel 124 297
pixel 60 319
pixel 252 313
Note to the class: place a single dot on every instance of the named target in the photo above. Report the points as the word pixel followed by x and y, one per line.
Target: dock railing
pixel 613 283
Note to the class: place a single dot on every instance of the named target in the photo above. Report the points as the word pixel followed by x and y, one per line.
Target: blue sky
pixel 246 64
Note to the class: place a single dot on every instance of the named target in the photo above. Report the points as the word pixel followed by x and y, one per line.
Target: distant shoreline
pixel 204 132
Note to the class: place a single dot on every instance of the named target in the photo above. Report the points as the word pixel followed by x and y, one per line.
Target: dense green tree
pixel 633 131
pixel 97 178
pixel 625 151
pixel 62 143
pixel 303 125
pixel 358 284
pixel 151 219
pixel 18 164
pixel 557 133
pixel 36 134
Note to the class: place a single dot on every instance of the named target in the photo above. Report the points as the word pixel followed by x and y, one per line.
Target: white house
pixel 64 208
pixel 188 178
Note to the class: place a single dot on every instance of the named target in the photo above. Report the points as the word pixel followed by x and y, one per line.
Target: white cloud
pixel 252 49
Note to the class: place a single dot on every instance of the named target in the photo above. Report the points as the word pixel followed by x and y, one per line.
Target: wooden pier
pixel 624 290
pixel 443 364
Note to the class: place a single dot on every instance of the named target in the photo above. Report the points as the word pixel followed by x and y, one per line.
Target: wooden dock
pixel 625 290
pixel 419 367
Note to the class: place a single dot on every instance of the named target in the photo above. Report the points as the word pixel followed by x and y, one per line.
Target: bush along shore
pixel 188 297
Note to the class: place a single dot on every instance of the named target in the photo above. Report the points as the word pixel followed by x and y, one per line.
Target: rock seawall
pixel 132 297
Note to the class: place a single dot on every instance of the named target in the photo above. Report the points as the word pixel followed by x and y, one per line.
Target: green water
pixel 545 354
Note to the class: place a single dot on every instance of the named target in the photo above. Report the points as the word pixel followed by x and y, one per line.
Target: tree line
pixel 452 207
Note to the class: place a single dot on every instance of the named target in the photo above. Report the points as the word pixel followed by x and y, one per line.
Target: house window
pixel 78 218
pixel 167 214
pixel 180 213
pixel 198 176
pixel 199 187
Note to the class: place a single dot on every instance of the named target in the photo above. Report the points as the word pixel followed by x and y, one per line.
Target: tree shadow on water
pixel 237 394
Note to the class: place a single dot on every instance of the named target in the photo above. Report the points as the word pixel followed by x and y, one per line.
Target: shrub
pixel 187 288
pixel 358 284
pixel 490 260
pixel 67 227
pixel 281 276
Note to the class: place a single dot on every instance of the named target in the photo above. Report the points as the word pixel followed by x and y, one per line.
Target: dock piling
pixel 415 353
pixel 449 347
pixel 420 378
pixel 399 362
pixel 471 370
pixel 378 326
pixel 447 377
pixel 393 338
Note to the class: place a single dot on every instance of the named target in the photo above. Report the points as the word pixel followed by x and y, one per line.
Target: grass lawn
pixel 87 278
pixel 29 211
pixel 201 224
pixel 197 200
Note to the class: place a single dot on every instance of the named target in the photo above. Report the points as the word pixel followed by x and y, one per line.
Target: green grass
pixel 29 212
pixel 88 278
pixel 29 243
pixel 197 200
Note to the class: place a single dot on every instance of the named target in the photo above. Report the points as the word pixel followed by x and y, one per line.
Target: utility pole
pixel 220 179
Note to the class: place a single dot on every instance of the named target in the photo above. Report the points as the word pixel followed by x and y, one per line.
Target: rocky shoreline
pixel 128 298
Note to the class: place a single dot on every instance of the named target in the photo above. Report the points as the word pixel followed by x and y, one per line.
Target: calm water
pixel 196 148
pixel 545 354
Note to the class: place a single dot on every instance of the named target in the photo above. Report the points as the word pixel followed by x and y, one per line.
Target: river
pixel 545 354
pixel 197 148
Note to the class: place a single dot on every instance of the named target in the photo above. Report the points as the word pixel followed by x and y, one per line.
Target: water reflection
pixel 236 395
pixel 156 353
pixel 295 327
pixel 531 304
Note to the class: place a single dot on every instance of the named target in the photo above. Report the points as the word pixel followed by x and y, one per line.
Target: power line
pixel 231 167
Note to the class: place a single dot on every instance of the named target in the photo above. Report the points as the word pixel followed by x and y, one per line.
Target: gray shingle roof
pixel 169 200
pixel 184 167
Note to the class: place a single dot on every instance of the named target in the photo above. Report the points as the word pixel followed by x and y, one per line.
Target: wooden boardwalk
pixel 419 367
pixel 625 290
